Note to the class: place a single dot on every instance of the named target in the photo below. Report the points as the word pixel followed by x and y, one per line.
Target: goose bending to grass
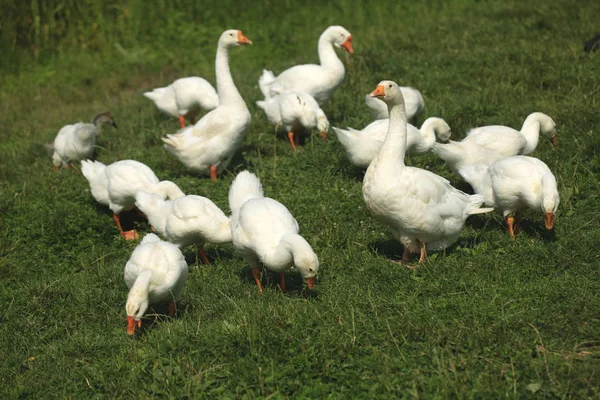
pixel 422 209
pixel 155 273
pixel 78 141
pixel 209 146
pixel 186 220
pixel 295 112
pixel 488 144
pixel 413 100
pixel 116 185
pixel 264 231
pixel 513 185
pixel 362 146
pixel 320 81
pixel 185 98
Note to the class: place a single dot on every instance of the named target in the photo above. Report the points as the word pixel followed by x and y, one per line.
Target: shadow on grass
pixel 293 281
pixel 159 314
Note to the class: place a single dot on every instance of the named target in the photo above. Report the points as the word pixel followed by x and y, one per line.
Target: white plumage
pixel 422 209
pixel 320 81
pixel 513 185
pixel 155 273
pixel 488 144
pixel 362 146
pixel 264 231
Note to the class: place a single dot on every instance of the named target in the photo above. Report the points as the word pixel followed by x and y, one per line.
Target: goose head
pixel 308 266
pixel 389 92
pixel 136 306
pixel 322 123
pixel 340 37
pixel 548 128
pixel 550 198
pixel 442 129
pixel 104 118
pixel 233 37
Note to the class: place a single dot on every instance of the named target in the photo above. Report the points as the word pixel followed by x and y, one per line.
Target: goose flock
pixel 422 209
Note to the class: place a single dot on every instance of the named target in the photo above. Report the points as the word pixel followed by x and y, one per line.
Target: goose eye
pixel 390 85
pixel 311 270
pixel 231 34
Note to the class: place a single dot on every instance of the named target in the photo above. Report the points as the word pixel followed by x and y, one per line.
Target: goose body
pixel 78 141
pixel 513 185
pixel 265 232
pixel 362 146
pixel 413 101
pixel 488 144
pixel 186 220
pixel 208 146
pixel 320 81
pixel 116 185
pixel 422 209
pixel 295 112
pixel 155 273
pixel 185 98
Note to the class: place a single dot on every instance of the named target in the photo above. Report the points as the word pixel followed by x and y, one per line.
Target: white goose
pixel 209 146
pixel 320 81
pixel 185 98
pixel 295 112
pixel 513 185
pixel 186 220
pixel 488 144
pixel 422 209
pixel 413 100
pixel 116 185
pixel 264 231
pixel 78 141
pixel 155 273
pixel 362 146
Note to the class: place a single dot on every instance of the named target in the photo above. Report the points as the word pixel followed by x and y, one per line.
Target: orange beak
pixel 131 325
pixel 549 220
pixel 323 135
pixel 311 282
pixel 348 46
pixel 553 140
pixel 378 92
pixel 243 39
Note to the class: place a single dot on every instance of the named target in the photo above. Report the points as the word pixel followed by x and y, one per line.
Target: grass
pixel 490 318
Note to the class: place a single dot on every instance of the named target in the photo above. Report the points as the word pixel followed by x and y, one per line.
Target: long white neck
pixel 531 131
pixel 141 285
pixel 290 247
pixel 327 55
pixel 394 145
pixel 228 93
pixel 168 190
pixel 428 131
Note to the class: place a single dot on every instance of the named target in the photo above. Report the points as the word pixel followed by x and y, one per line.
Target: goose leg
pixel 128 235
pixel 517 225
pixel 172 309
pixel 256 275
pixel 202 255
pixel 282 283
pixel 291 139
pixel 213 172
pixel 323 135
pixel 182 121
pixel 423 251
pixel 511 230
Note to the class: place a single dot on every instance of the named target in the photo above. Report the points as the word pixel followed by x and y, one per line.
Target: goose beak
pixel 348 46
pixel 378 92
pixel 553 140
pixel 323 135
pixel 131 323
pixel 243 39
pixel 549 220
pixel 311 282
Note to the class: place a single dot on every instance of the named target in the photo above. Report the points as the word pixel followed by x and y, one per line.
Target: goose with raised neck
pixel 422 209
pixel 209 145
pixel 488 144
pixel 320 81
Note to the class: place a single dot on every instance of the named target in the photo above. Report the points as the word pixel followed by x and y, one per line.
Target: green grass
pixel 490 318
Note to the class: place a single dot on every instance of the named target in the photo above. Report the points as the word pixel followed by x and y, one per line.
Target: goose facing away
pixel 513 185
pixel 421 208
pixel 208 146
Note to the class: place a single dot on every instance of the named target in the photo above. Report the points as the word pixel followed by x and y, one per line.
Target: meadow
pixel 488 318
